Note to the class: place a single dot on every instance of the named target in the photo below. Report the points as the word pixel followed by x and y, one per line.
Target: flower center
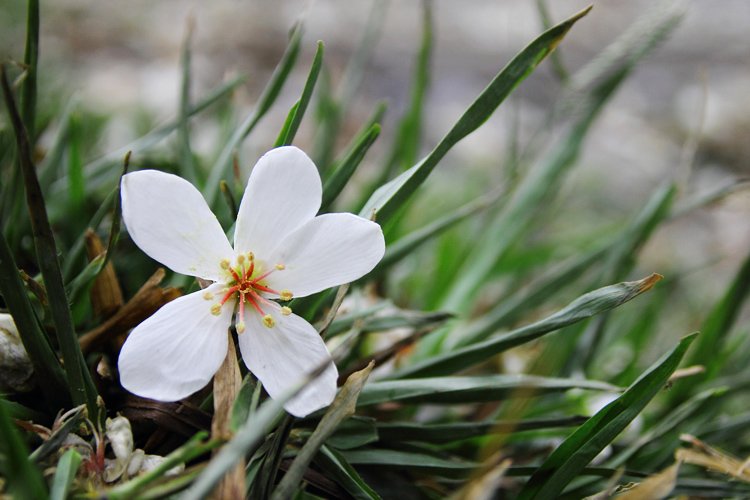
pixel 247 282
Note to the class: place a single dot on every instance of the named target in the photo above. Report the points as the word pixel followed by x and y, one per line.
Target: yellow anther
pixel 216 309
pixel 286 295
pixel 240 327
pixel 224 263
pixel 208 295
pixel 240 259
pixel 250 256
pixel 286 311
pixel 280 267
pixel 269 321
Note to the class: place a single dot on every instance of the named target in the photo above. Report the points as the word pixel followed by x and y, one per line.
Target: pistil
pixel 249 289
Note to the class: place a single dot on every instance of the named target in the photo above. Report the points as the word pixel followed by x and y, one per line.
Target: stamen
pixel 250 270
pixel 208 295
pixel 265 289
pixel 280 267
pixel 224 263
pixel 251 299
pixel 269 321
pixel 286 295
pixel 242 310
pixel 240 327
pixel 216 309
pixel 229 294
pixel 240 259
pixel 261 298
pixel 235 275
pixel 250 256
pixel 286 311
pixel 262 277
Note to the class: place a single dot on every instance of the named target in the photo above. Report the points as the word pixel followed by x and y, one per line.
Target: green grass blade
pixel 86 277
pixel 390 197
pixel 47 369
pixel 265 101
pixel 348 165
pixel 456 431
pixel 405 149
pixel 81 386
pixel 188 167
pixel 102 166
pixel 622 257
pixel 538 291
pixel 193 448
pixel 76 181
pixel 585 306
pixel 336 466
pixel 297 112
pixel 720 320
pixel 341 409
pixel 594 92
pixel 247 438
pixel 450 390
pixel 67 467
pixel 354 433
pixel 22 478
pixel 75 254
pixel 422 461
pixel 49 166
pixel 555 58
pixel 30 61
pixel 569 459
pixel 407 244
pixel 72 422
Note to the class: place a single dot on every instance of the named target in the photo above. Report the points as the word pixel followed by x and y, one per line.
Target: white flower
pixel 281 250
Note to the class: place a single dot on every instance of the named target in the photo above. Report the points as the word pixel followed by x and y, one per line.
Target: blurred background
pixel 684 114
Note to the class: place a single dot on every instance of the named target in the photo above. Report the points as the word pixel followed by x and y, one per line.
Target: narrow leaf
pixel 582 308
pixel 297 112
pixel 48 371
pixel 338 180
pixel 336 466
pixel 407 244
pixel 265 101
pixel 448 432
pixel 342 408
pixel 470 389
pixel 188 168
pixel 81 386
pixel 67 467
pixel 569 459
pixel 101 167
pixel 23 479
pixel 388 198
pixel 30 61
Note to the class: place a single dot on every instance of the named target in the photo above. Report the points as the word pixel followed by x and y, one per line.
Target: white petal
pixel 176 351
pixel 170 221
pixel 330 250
pixel 283 355
pixel 283 192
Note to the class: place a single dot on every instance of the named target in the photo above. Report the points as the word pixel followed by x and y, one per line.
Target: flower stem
pixel 227 383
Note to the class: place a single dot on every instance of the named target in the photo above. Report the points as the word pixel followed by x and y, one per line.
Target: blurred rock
pixel 15 366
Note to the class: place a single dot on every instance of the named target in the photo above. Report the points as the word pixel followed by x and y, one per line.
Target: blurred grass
pixel 478 357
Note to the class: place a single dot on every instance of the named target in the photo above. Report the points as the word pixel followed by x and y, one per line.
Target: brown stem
pixel 227 382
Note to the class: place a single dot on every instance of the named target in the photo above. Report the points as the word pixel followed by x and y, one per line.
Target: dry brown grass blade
pixel 713 459
pixel 106 294
pixel 655 487
pixel 484 487
pixel 144 303
pixel 227 382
